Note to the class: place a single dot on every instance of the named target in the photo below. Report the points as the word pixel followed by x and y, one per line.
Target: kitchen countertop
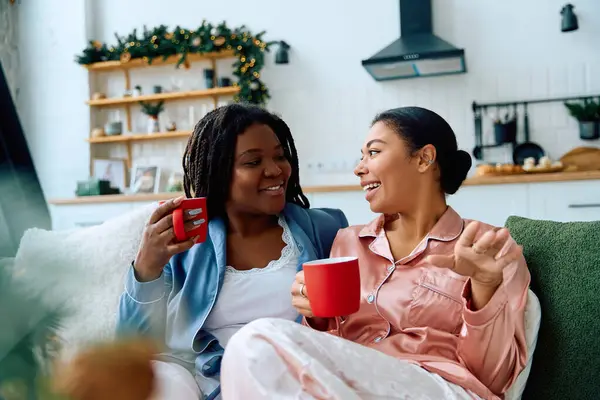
pixel 473 181
pixel 533 178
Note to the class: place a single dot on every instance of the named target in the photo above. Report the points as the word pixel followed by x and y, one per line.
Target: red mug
pixel 198 203
pixel 333 286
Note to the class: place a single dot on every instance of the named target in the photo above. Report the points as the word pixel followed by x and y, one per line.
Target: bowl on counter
pixel 527 150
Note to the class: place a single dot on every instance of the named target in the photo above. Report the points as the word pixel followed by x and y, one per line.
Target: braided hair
pixel 210 152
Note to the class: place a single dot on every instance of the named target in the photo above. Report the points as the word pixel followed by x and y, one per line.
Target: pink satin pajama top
pixel 419 312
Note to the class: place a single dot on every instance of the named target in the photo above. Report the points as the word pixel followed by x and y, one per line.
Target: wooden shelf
pixel 491 180
pixel 140 63
pixel 127 102
pixel 194 94
pixel 139 137
pixel 116 198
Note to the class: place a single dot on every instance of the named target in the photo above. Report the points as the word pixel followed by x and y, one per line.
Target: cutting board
pixel 583 158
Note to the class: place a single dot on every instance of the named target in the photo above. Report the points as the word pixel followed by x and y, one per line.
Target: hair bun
pixel 459 164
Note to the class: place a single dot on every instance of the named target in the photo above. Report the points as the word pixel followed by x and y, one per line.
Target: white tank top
pixel 256 293
pixel 253 294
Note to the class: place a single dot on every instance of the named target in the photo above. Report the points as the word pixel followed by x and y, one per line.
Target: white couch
pixel 87 266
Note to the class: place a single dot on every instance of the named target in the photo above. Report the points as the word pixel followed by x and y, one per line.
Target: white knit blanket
pixel 84 269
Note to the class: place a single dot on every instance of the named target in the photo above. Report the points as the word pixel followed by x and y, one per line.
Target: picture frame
pixel 113 170
pixel 145 179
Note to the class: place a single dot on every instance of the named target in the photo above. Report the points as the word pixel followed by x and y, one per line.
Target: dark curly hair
pixel 210 151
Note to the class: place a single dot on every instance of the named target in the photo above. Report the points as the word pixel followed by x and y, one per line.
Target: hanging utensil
pixel 478 149
pixel 527 149
pixel 526 122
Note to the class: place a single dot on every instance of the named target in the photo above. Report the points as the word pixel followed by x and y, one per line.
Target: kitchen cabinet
pixel 569 201
pixel 491 204
pixel 81 215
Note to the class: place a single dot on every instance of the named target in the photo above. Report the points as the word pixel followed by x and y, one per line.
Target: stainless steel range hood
pixel 418 52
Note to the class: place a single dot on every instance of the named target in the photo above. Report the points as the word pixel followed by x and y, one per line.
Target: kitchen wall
pixel 514 50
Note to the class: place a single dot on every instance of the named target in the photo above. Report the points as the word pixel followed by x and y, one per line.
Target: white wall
pixel 514 50
pixel 53 91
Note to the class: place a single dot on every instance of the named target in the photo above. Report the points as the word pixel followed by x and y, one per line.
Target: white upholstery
pixel 533 316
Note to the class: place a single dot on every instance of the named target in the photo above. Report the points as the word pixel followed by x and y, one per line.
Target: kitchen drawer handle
pixel 590 205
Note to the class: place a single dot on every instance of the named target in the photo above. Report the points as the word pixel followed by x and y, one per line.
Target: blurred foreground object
pixel 84 269
pixel 28 338
pixel 119 370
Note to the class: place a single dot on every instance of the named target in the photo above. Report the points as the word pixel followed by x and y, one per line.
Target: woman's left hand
pixel 481 260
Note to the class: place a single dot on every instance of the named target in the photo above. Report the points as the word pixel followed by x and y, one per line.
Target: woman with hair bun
pixel 442 298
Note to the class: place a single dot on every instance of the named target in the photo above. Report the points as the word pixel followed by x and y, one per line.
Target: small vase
pixel 153 126
pixel 209 76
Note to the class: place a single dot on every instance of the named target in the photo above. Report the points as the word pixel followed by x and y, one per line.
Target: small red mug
pixel 333 286
pixel 198 203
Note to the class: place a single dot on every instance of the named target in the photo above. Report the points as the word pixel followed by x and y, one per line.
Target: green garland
pixel 160 42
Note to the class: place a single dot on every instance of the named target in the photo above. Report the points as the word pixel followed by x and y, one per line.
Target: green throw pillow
pixel 564 261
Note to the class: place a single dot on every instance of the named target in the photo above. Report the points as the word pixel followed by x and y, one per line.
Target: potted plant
pixel 587 112
pixel 152 111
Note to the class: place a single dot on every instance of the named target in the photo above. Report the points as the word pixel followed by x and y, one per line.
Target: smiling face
pixel 390 173
pixel 260 172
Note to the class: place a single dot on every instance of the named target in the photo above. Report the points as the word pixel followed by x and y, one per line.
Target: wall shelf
pixel 126 102
pixel 157 62
pixel 193 94
pixel 139 137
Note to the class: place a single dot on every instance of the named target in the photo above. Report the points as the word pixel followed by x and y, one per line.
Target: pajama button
pixel 391 268
pixel 370 298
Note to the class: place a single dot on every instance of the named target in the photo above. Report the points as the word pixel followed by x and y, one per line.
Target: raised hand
pixel 482 260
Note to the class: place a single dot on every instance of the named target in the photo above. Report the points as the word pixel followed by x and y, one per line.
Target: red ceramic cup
pixel 333 286
pixel 201 230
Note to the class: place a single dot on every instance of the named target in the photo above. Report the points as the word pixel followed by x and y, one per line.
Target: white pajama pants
pixel 173 382
pixel 279 359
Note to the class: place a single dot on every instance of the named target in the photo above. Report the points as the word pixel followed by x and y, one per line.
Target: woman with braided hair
pixel 193 298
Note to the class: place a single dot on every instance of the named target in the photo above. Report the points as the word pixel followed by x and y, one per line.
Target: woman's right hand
pixel 159 243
